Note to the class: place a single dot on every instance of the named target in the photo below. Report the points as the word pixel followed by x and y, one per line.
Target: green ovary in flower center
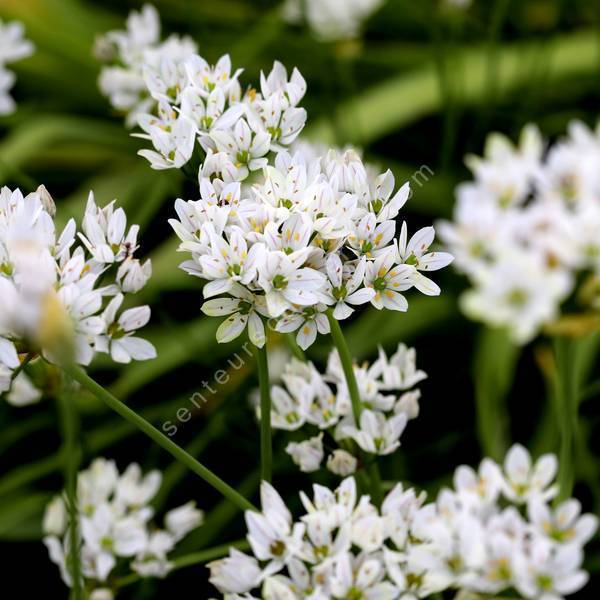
pixel 279 282
pixel 242 157
pixel 115 331
pixel 517 297
pixel 277 548
pixel 340 293
pixel 234 270
pixel 380 284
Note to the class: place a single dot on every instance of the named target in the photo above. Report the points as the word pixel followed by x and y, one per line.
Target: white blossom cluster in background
pixel 192 108
pixel 331 20
pixel 115 525
pixel 312 234
pixel 58 288
pixel 132 53
pixel 13 47
pixel 527 227
pixel 493 531
pixel 307 398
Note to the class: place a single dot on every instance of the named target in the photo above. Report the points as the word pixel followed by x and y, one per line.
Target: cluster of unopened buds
pixel 115 525
pixel 64 290
pixel 308 400
pixel 525 231
pixel 493 531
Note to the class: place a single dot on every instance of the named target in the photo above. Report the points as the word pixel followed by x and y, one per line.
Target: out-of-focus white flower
pixel 13 47
pixel 331 20
pixel 308 454
pixel 341 463
pixel 53 300
pixel 524 481
pixel 525 230
pixel 114 516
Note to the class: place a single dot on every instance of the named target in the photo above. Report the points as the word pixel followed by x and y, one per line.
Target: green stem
pixel 189 560
pixel 266 446
pixel 79 375
pixel 69 425
pixel 346 360
pixel 566 404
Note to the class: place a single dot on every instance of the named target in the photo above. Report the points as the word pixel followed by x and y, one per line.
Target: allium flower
pixel 313 234
pixel 57 293
pixel 13 47
pixel 525 231
pixel 471 537
pixel 331 20
pixel 305 396
pixel 115 526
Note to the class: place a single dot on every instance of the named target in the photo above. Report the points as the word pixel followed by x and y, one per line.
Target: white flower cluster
pixel 323 401
pixel 312 234
pixel 115 523
pixel 69 287
pixel 130 54
pixel 493 531
pixel 13 47
pixel 200 108
pixel 527 227
pixel 331 20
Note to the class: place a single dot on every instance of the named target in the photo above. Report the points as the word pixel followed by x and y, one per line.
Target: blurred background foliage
pixel 422 88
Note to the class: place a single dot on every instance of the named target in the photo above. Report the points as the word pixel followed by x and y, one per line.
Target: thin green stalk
pixel 346 360
pixel 566 404
pixel 266 444
pixel 79 375
pixel 189 560
pixel 69 425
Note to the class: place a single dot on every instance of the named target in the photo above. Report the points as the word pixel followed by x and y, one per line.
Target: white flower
pixel 344 286
pixel 414 252
pixel 550 573
pixel 285 283
pixel 119 338
pixel 388 279
pixel 341 463
pixel 55 517
pixel 114 514
pixel 236 574
pixel 180 521
pixel 332 19
pixel 308 455
pixel 524 481
pixel 13 47
pixel 245 309
pixel 377 434
pixel 23 392
pixel 564 524
pixel 272 535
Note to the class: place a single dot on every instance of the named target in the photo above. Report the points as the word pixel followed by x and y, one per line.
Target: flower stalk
pixel 69 425
pixel 79 375
pixel 346 361
pixel 566 405
pixel 266 442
